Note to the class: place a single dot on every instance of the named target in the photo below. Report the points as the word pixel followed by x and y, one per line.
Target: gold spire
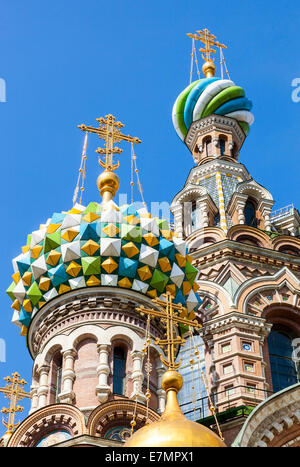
pixel 173 429
pixel 14 392
pixel 209 41
pixel 109 129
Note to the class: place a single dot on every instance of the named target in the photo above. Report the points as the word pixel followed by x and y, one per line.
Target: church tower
pixel 247 254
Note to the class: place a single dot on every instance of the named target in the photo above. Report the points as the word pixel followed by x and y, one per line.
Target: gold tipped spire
pixel 209 41
pixel 173 429
pixel 109 129
pixel 14 391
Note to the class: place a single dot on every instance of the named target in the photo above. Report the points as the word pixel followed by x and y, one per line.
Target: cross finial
pixel 171 320
pixel 209 41
pixel 109 130
pixel 14 391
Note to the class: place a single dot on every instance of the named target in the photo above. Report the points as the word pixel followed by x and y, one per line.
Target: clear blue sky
pixel 69 62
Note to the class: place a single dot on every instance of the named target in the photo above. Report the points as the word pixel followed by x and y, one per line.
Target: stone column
pixel 265 207
pixel 103 389
pixel 178 217
pixel 34 398
pixel 161 394
pixel 43 388
pixel 204 211
pixel 137 377
pixel 68 375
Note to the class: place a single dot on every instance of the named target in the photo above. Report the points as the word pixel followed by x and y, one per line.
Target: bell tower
pixel 237 243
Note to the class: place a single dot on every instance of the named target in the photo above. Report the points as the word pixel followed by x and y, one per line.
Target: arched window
pixel 208 146
pixel 289 250
pixel 195 216
pixel 119 371
pixel 222 146
pixel 58 376
pixel 250 213
pixel 217 220
pixel 283 368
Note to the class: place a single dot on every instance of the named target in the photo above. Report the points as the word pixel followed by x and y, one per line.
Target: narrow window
pixel 284 370
pixel 222 146
pixel 250 214
pixel 208 147
pixel 195 216
pixel 119 371
pixel 58 377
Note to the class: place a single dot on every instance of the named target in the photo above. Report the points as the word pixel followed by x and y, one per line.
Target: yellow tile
pixel 16 277
pixel 109 265
pixel 151 239
pixel 130 249
pixel 92 281
pixel 90 217
pixel 27 305
pixel 144 273
pixel 164 264
pixel 70 234
pixel 53 257
pixel 73 269
pixel 63 288
pixel 90 247
pixel 125 282
pixel 44 283
pixel 111 230
pixel 35 251
pixel 26 279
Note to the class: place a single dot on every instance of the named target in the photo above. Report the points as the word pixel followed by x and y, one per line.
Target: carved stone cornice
pixel 204 125
pixel 228 249
pixel 234 319
pixel 273 419
pixel 89 306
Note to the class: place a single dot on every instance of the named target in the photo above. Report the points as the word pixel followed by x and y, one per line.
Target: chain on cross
pixel 171 320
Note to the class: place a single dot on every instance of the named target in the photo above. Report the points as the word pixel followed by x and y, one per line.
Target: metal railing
pixel 282 212
pixel 226 398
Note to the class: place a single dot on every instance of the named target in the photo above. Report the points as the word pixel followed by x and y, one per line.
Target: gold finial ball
pixel 171 379
pixel 209 69
pixel 6 437
pixel 108 181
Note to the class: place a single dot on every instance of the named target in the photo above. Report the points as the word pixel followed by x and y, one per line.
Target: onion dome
pixel 209 96
pixel 101 245
pixel 162 432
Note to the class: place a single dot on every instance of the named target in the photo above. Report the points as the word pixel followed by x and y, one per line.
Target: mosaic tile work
pixel 229 183
pixel 91 246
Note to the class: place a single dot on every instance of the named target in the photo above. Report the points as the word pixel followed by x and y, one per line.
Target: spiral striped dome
pixel 209 96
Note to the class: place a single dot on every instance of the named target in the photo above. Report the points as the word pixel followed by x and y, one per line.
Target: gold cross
pixel 171 320
pixel 15 392
pixel 208 40
pixel 109 130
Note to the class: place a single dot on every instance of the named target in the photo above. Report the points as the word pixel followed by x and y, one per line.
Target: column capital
pixel 103 348
pixel 69 353
pixel 45 368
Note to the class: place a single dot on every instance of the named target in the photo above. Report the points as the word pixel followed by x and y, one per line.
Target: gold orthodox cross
pixel 209 40
pixel 109 130
pixel 14 392
pixel 171 321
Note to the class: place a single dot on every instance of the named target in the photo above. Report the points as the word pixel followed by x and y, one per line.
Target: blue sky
pixel 66 63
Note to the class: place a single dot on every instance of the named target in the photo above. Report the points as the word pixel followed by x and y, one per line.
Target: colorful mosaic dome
pixel 95 246
pixel 209 96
